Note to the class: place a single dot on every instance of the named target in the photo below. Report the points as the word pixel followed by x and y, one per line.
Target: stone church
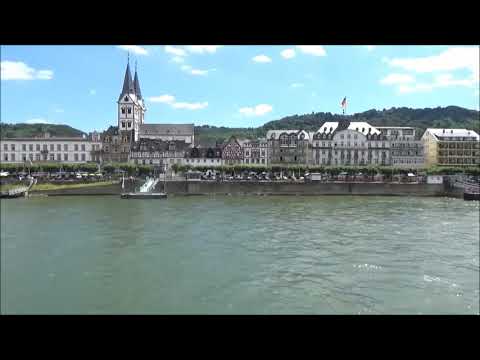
pixel 118 141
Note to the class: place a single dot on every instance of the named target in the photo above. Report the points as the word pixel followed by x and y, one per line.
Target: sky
pixel 233 86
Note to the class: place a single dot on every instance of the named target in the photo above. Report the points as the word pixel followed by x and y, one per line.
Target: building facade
pixel 289 147
pixel 232 152
pixel 255 151
pixel 204 156
pixel 348 143
pixel 451 147
pixel 159 153
pixel 51 149
pixel 405 149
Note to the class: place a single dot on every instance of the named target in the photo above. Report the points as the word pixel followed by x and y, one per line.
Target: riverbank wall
pixel 192 188
pixel 312 188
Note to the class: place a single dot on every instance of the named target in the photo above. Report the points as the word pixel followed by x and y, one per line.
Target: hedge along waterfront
pixel 129 169
pixel 332 170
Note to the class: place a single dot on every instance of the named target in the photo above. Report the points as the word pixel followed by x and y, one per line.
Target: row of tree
pixel 332 170
pixel 134 169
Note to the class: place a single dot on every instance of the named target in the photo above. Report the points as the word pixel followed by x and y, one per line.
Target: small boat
pixel 143 195
pixel 471 192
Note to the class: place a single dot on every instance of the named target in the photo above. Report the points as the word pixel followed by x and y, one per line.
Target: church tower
pixel 131 109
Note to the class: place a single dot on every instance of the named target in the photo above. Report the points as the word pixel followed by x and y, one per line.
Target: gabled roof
pixel 166 129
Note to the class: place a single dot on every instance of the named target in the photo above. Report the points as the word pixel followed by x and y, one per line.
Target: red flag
pixel 344 102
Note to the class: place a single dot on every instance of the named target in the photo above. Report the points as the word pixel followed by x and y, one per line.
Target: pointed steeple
pixel 136 84
pixel 128 87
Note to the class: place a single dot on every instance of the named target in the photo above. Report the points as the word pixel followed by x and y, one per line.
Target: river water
pixel 240 255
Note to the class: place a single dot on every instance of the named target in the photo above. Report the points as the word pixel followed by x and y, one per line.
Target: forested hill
pixel 447 117
pixel 36 130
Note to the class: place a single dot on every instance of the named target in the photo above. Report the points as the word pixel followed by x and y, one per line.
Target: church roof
pixel 128 87
pixel 166 129
pixel 136 86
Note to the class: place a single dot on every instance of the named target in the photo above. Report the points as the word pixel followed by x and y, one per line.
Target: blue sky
pixel 235 86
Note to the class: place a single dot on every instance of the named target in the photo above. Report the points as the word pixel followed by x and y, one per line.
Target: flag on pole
pixel 344 104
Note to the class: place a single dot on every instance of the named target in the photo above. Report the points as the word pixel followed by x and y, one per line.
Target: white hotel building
pixel 51 149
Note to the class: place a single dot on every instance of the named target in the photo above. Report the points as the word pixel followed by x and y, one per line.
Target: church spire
pixel 128 87
pixel 136 84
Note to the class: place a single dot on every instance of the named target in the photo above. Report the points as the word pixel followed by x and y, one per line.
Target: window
pixel 75 157
pixel 30 147
pixel 129 124
pixel 123 110
pixel 12 156
pixel 76 147
pixel 83 147
pixel 129 110
pixel 52 157
pixel 37 156
pixel 65 147
pixel 24 147
pixel 45 147
pixel 126 98
pixel 5 157
pixel 83 157
pixel 52 147
pixel 123 124
pixel 59 157
pixel 37 147
pixel 247 161
pixel 263 161
pixel 65 157
pixel 13 147
pixel 59 147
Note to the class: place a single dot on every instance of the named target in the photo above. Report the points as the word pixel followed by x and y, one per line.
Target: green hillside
pixel 34 130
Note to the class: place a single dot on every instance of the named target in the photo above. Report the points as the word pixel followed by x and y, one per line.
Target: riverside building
pixel 451 147
pixel 51 149
pixel 405 150
pixel 289 147
pixel 350 144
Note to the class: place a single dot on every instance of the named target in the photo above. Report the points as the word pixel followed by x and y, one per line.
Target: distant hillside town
pixel 342 142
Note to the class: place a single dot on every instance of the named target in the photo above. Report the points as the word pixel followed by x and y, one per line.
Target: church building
pixel 118 141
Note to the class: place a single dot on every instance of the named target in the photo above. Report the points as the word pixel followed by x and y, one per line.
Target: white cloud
pixel 288 53
pixel 137 50
pixel 38 121
pixel 316 50
pixel 439 81
pixel 17 70
pixel 190 106
pixel 258 110
pixel 370 47
pixel 393 79
pixel 262 59
pixel 175 50
pixel 453 58
pixel 92 92
pixel 58 110
pixel 190 70
pixel 178 59
pixel 201 49
pixel 170 100
pixel 296 85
